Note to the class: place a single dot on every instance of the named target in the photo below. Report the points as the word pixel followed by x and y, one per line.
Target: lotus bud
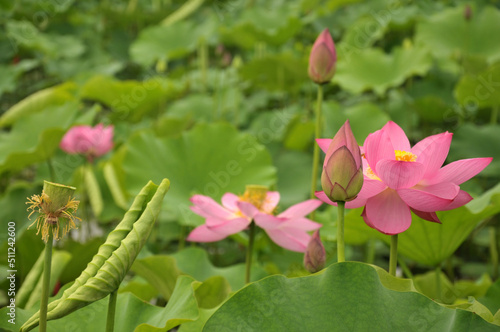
pixel 342 176
pixel 315 256
pixel 467 12
pixel 323 59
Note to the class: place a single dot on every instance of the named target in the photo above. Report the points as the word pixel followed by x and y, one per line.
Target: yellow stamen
pixel 255 195
pixel 405 156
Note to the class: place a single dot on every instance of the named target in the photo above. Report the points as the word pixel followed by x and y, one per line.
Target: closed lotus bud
pixel 342 176
pixel 315 256
pixel 323 59
pixel 467 12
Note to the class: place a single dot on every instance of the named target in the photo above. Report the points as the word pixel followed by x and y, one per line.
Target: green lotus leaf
pixel 480 90
pixel 447 33
pixel 164 42
pixel 372 69
pixel 132 314
pixel 36 137
pixel 162 271
pixel 131 100
pixel 276 72
pixel 350 295
pixel 472 141
pixel 211 159
pixel 260 25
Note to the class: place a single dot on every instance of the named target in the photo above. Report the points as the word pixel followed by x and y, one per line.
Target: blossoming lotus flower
pixel 89 141
pixel 288 229
pixel 323 59
pixel 399 179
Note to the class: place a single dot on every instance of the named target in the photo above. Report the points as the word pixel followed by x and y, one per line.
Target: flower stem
pixel 393 259
pixel 251 238
pixel 110 319
pixel 46 283
pixel 494 251
pixel 317 134
pixel 340 232
pixel 51 170
pixel 438 284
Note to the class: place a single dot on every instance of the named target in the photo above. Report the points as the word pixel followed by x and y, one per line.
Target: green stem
pixel 110 319
pixel 393 259
pixel 317 134
pixel 203 61
pixel 370 251
pixel 494 115
pixel 340 232
pixel 251 238
pixel 182 237
pixel 494 251
pixel 51 170
pixel 46 283
pixel 438 283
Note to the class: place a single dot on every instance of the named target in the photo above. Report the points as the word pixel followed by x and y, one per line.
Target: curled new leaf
pixel 107 269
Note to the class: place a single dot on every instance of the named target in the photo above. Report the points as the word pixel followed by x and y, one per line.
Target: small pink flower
pixel 288 229
pixel 323 59
pixel 399 178
pixel 91 142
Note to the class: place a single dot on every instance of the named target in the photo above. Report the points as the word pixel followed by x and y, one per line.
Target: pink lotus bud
pixel 315 256
pixel 342 176
pixel 323 59
pixel 88 141
pixel 467 12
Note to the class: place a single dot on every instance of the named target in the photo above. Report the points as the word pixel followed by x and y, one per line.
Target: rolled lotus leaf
pixel 109 266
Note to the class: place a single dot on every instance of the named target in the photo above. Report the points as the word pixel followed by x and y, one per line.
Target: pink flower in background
pixel 399 178
pixel 323 59
pixel 89 141
pixel 288 229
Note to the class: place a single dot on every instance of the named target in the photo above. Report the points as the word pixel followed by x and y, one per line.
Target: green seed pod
pixel 109 266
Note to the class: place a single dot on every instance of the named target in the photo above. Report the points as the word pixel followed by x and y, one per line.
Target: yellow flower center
pixel 405 156
pixel 255 195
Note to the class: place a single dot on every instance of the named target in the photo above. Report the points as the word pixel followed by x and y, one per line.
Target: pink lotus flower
pixel 91 142
pixel 399 178
pixel 288 229
pixel 323 59
pixel 342 176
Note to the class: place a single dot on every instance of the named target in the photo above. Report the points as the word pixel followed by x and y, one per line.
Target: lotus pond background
pixel 214 95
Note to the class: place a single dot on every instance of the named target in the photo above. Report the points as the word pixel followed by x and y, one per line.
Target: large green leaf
pixel 372 69
pixel 346 296
pixel 131 99
pixel 480 90
pixel 276 72
pixel 472 141
pixel 114 258
pixel 132 314
pixel 448 32
pixel 162 271
pixel 36 137
pixel 262 25
pixel 164 43
pixel 211 159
